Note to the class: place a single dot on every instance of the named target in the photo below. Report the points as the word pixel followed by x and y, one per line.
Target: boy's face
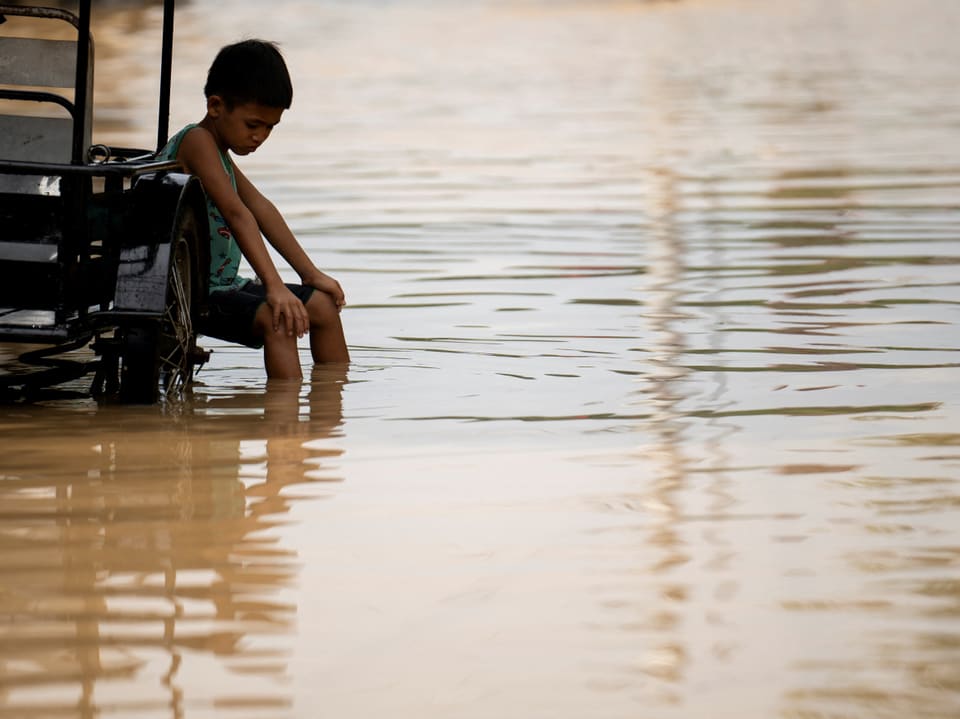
pixel 245 127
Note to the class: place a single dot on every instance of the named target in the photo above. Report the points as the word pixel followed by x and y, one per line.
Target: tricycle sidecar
pixel 100 247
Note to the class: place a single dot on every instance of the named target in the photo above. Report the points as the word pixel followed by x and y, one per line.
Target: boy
pixel 248 88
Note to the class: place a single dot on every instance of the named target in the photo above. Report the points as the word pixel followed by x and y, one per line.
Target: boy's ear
pixel 215 105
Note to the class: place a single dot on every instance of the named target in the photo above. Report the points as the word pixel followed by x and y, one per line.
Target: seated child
pixel 248 88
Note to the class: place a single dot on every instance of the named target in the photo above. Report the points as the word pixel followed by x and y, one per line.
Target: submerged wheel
pixel 157 359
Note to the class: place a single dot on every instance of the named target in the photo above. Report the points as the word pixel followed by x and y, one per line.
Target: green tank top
pixel 225 253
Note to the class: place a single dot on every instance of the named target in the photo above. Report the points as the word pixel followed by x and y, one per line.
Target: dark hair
pixel 250 71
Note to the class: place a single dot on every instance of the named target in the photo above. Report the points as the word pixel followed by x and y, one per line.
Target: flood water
pixel 653 408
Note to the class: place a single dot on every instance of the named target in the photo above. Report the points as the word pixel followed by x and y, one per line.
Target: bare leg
pixel 327 343
pixel 280 355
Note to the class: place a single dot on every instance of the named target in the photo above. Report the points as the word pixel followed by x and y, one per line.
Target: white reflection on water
pixel 653 312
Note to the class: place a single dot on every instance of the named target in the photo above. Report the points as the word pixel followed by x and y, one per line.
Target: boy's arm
pixel 278 233
pixel 199 155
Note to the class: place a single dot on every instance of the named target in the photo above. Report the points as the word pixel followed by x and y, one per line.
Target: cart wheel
pixel 158 359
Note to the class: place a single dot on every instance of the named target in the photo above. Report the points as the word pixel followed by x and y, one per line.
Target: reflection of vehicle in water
pixel 98 246
pixel 137 561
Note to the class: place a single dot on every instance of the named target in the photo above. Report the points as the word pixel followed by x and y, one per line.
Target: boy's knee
pixel 263 321
pixel 321 308
pixel 264 330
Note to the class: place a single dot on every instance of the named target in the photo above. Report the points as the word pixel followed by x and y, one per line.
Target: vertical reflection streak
pixel 667 661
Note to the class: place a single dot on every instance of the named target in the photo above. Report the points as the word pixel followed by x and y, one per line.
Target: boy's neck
pixel 208 124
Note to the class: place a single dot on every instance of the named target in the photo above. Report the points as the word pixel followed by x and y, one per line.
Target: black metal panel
pixel 30 235
pixel 145 255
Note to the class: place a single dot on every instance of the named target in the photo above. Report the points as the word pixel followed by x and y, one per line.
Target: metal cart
pixel 100 248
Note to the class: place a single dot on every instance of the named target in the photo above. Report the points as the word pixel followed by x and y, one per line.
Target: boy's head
pixel 250 71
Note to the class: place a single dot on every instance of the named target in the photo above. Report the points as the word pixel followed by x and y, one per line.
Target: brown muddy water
pixel 653 409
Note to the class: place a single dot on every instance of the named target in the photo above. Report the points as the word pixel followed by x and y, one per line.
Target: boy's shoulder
pixel 197 147
pixel 171 150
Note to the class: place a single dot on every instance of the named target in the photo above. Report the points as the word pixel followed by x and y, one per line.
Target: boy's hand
pixel 325 283
pixel 288 311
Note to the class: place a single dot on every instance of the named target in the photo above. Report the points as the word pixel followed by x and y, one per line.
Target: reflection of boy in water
pixel 174 513
pixel 248 88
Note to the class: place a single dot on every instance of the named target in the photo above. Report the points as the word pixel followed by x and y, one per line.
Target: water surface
pixel 653 310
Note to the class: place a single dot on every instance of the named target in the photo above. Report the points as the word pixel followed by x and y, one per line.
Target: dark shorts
pixel 232 312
